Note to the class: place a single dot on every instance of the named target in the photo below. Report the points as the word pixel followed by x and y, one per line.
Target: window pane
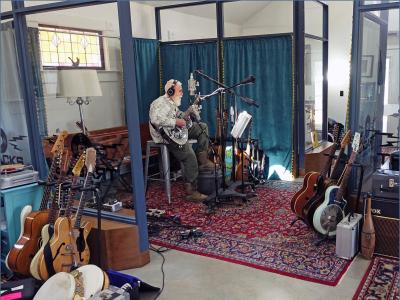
pixel 188 23
pixel 5 5
pixel 38 2
pixel 313 18
pixel 312 89
pixel 392 78
pixel 244 18
pixel 58 41
pixel 368 2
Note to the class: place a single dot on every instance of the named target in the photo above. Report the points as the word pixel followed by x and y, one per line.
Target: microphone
pixel 192 85
pixel 249 79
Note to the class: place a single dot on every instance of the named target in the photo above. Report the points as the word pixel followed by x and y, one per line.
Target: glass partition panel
pixel 369 114
pixel 5 5
pixel 368 2
pixel 188 23
pixel 390 122
pixel 13 127
pixel 77 72
pixel 38 2
pixel 244 18
pixel 313 79
pixel 313 18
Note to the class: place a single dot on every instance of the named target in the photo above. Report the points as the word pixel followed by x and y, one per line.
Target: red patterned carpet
pixel 256 234
pixel 381 281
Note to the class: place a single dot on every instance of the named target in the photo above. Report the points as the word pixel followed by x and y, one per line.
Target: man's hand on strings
pixel 180 122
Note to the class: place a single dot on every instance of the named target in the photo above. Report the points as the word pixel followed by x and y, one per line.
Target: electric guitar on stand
pixel 20 256
pixel 45 230
pixel 68 245
pixel 331 211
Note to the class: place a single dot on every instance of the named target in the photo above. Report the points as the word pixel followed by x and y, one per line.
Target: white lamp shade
pixel 78 83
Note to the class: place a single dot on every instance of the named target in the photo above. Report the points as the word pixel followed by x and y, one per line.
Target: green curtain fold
pixel 147 74
pixel 178 61
pixel 34 54
pixel 269 59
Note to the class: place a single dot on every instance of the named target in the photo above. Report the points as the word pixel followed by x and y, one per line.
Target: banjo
pixel 180 135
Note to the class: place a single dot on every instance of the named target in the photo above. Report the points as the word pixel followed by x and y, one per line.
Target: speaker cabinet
pixel 387 236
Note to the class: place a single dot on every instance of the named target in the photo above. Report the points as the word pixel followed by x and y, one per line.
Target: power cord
pixel 160 252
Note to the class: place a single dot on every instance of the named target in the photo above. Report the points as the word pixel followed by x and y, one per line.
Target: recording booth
pixel 184 143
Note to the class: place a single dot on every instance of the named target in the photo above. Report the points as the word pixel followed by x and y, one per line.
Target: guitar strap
pixel 162 132
pixel 48 257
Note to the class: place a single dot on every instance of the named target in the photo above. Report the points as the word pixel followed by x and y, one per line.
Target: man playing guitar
pixel 164 116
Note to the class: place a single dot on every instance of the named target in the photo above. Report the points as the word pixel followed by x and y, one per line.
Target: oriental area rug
pixel 257 233
pixel 381 281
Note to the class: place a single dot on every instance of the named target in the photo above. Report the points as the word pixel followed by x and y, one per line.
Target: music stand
pixel 225 193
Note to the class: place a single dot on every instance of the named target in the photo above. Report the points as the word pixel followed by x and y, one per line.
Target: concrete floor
pixel 194 277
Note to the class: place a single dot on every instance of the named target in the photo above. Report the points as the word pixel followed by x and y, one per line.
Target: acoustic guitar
pixel 313 182
pixel 45 230
pixel 20 256
pixel 331 211
pixel 312 204
pixel 68 244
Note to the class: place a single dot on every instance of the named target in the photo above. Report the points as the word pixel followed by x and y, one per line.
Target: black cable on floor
pixel 160 251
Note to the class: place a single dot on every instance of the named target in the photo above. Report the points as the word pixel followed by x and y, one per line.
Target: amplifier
pixel 18 178
pixel 347 236
pixel 386 235
pixel 385 184
pixel 385 207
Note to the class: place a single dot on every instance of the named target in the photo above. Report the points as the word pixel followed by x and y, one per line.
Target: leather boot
pixel 193 194
pixel 204 162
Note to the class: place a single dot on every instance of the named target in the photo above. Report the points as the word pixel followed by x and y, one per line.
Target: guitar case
pixel 341 165
pixel 19 289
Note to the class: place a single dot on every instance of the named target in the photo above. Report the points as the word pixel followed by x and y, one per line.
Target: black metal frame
pixel 299 36
pixel 18 14
pixel 356 52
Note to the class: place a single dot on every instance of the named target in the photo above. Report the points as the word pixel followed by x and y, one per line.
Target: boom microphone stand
pixel 224 194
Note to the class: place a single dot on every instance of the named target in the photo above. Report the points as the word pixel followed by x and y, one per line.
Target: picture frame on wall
pixel 367 62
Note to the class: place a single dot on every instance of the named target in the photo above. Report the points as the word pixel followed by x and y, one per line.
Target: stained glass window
pixel 59 46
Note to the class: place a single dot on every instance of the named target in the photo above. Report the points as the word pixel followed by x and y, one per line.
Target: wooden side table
pixel 315 159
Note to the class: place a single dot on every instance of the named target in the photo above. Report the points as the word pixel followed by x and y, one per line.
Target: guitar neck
pixel 326 168
pixel 82 201
pixel 71 196
pixel 188 111
pixel 55 205
pixel 47 189
pixel 336 166
pixel 345 177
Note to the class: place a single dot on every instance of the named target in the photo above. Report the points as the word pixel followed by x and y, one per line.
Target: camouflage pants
pixel 185 153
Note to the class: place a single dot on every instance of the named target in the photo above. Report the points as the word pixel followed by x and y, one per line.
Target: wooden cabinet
pixel 119 245
pixel 316 159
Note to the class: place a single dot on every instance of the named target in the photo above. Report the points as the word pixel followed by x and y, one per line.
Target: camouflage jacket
pixel 163 113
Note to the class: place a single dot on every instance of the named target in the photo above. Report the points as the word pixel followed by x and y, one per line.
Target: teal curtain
pixel 147 74
pixel 269 59
pixel 34 53
pixel 178 61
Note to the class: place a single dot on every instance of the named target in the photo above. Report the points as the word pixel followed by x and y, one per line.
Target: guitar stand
pixel 296 220
pixel 324 238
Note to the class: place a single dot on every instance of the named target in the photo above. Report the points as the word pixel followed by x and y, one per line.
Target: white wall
pixel 176 25
pixel 340 30
pixel 108 110
pixel 276 17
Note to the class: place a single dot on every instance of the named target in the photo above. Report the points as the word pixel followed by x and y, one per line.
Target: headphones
pixel 171 90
